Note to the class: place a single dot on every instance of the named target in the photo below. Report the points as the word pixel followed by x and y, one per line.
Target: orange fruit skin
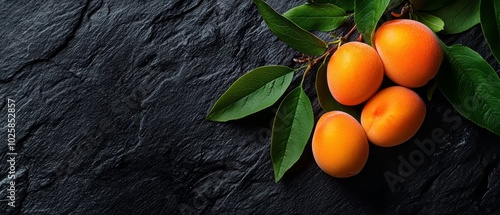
pixel 393 116
pixel 410 51
pixel 339 145
pixel 354 73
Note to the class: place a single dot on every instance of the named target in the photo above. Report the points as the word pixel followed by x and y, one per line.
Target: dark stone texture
pixel 111 98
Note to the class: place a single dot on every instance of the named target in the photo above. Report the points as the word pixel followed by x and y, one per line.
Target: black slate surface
pixel 111 98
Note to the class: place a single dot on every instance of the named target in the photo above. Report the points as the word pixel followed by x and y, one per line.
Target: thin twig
pixel 328 52
pixel 348 35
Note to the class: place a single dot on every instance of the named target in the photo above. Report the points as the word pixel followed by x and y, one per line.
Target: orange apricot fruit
pixel 339 144
pixel 409 50
pixel 354 73
pixel 393 116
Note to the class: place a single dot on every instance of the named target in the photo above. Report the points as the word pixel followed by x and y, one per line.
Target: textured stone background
pixel 111 98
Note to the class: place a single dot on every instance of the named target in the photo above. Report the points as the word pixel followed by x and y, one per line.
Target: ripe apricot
pixel 392 116
pixel 410 51
pixel 354 73
pixel 339 144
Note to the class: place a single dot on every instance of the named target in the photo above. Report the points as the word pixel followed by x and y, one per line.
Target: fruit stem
pixel 360 38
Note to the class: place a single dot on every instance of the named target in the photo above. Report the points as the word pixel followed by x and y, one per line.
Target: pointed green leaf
pixel 325 98
pixel 252 92
pixel 433 22
pixel 366 16
pixel 471 85
pixel 292 128
pixel 325 17
pixel 490 23
pixel 346 5
pixel 458 15
pixel 289 32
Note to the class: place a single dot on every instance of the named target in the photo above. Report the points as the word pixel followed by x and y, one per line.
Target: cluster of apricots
pixel 409 54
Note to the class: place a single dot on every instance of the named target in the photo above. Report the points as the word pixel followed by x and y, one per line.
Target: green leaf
pixel 393 4
pixel 292 128
pixel 366 16
pixel 346 5
pixel 325 98
pixel 325 17
pixel 252 92
pixel 471 85
pixel 429 5
pixel 490 23
pixel 289 32
pixel 458 16
pixel 433 22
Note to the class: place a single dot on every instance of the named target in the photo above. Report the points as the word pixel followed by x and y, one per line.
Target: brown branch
pixel 349 34
pixel 328 52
